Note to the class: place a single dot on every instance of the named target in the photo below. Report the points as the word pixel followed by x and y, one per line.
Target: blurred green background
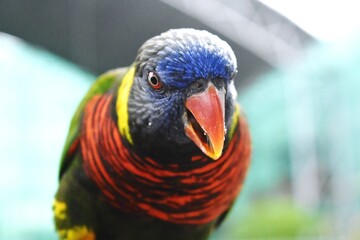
pixel 298 86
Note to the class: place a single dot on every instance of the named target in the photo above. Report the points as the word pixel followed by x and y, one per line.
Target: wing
pixel 101 86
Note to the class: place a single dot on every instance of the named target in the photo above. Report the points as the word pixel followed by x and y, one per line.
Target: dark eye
pixel 154 81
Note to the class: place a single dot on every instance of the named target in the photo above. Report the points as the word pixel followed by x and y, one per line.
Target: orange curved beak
pixel 204 123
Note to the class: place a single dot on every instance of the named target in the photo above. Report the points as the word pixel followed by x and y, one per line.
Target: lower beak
pixel 204 123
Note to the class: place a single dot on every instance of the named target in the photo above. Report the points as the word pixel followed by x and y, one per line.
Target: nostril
pixel 199 85
pixel 219 83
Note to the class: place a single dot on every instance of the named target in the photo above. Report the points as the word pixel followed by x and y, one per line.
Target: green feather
pixel 100 86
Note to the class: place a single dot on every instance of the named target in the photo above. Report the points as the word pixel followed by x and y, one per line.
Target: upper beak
pixel 204 121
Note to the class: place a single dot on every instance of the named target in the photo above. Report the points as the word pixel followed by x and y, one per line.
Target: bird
pixel 156 150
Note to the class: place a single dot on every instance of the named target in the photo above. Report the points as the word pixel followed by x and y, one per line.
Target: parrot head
pixel 181 94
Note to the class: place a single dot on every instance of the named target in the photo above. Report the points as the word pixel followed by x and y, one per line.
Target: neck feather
pixel 196 194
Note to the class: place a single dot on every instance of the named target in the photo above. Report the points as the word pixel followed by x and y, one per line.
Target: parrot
pixel 156 150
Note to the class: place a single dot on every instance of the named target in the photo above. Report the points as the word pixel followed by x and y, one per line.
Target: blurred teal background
pixel 38 95
pixel 300 93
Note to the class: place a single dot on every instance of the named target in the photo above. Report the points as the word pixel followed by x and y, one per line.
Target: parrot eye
pixel 154 81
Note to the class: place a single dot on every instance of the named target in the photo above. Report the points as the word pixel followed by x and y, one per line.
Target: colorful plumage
pixel 158 150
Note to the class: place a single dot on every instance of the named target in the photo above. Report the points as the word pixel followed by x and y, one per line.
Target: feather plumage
pixel 131 170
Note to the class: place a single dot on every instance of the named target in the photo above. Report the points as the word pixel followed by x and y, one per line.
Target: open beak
pixel 204 121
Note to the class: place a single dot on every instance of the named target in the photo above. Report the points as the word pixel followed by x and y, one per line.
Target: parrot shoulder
pixel 102 84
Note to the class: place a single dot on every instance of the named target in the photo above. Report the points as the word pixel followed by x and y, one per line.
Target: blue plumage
pixel 186 64
pixel 179 58
pixel 182 56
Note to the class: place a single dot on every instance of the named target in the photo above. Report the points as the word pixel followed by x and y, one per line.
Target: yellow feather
pixel 235 120
pixel 59 209
pixel 80 233
pixel 122 104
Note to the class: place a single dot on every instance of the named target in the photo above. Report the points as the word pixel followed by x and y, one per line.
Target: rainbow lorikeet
pixel 158 150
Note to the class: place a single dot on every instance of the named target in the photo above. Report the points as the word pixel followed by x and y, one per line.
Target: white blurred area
pixel 327 21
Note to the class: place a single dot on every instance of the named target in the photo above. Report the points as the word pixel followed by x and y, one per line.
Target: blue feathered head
pixel 183 93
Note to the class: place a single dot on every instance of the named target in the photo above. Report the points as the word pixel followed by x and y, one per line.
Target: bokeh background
pixel 299 82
